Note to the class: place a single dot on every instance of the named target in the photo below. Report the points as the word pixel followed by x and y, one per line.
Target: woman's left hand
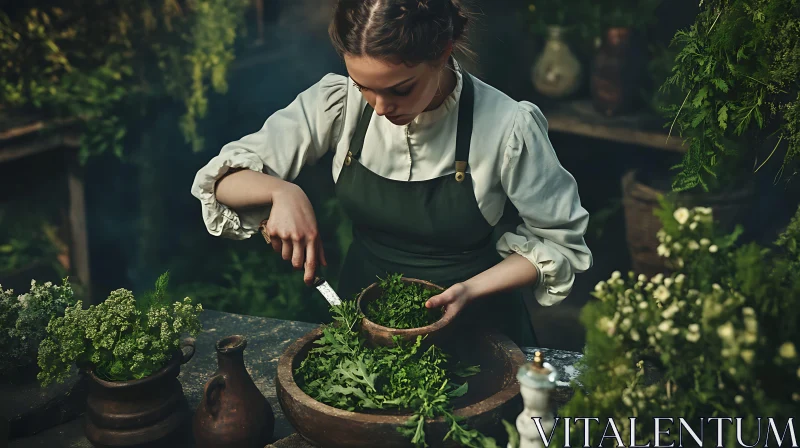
pixel 453 299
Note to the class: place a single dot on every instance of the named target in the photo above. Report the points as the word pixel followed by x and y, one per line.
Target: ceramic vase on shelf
pixel 557 71
pixel 618 71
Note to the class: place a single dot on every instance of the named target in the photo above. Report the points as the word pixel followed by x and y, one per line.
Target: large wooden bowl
pixel 493 396
pixel 438 332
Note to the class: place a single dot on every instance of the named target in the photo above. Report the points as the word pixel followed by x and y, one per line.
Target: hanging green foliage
pixel 97 61
pixel 738 72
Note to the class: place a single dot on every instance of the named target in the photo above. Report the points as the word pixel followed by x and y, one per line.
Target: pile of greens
pixel 343 372
pixel 402 305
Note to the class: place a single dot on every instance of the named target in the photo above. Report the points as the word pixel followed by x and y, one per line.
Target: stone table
pixel 266 341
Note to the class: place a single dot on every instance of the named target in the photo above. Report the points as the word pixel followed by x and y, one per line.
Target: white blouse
pixel 510 157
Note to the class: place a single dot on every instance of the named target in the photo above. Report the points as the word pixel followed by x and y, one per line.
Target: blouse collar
pixel 449 103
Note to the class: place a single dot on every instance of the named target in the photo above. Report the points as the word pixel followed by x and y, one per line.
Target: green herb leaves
pixel 402 305
pixel 342 372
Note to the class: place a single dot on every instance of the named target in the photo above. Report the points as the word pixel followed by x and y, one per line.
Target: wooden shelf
pixel 23 136
pixel 579 117
pixel 14 151
pixel 20 126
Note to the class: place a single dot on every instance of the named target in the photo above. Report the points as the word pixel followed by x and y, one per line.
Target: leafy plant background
pixel 651 341
pixel 142 218
pixel 150 86
pixel 98 61
pixel 738 68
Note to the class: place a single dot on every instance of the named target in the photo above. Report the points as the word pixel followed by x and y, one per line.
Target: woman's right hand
pixel 292 230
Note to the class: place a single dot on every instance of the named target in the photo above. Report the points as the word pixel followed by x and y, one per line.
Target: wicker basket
pixel 641 226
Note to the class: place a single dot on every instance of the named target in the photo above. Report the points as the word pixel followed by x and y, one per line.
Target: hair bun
pixel 415 9
pixel 459 18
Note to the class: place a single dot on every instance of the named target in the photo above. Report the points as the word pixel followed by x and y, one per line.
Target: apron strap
pixel 357 141
pixel 464 132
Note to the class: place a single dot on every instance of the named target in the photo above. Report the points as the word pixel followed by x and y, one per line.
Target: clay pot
pixel 233 413
pixel 618 72
pixel 377 335
pixel 149 412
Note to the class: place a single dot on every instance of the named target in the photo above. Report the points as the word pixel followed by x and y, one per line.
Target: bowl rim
pixel 438 325
pixel 285 379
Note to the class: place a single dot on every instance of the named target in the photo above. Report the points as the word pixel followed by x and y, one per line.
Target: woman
pixel 425 158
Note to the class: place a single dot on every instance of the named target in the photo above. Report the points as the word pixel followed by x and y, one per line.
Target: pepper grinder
pixel 537 380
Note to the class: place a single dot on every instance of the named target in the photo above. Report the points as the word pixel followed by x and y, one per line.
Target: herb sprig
pixel 343 372
pixel 402 305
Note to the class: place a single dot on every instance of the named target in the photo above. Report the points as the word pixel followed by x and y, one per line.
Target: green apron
pixel 431 230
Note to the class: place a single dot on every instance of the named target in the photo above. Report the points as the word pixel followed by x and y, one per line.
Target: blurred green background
pixel 142 219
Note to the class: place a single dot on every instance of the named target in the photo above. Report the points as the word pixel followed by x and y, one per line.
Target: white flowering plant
pixel 689 241
pixel 120 339
pixel 24 319
pixel 721 332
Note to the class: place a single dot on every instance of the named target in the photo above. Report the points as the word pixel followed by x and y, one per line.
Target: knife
pixel 327 291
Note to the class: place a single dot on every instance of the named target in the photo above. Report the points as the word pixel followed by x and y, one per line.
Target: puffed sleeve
pixel 291 138
pixel 546 195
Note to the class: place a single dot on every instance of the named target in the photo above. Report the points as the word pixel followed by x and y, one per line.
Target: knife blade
pixel 327 291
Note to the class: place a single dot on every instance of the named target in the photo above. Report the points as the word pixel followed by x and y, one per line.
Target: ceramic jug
pixel 618 72
pixel 232 413
pixel 557 71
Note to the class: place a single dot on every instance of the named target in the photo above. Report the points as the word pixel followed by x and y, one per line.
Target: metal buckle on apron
pixel 461 168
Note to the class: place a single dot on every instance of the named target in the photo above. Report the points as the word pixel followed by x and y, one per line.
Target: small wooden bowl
pixel 378 335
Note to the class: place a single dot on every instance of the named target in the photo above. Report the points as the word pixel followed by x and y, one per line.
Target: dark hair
pixel 412 30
